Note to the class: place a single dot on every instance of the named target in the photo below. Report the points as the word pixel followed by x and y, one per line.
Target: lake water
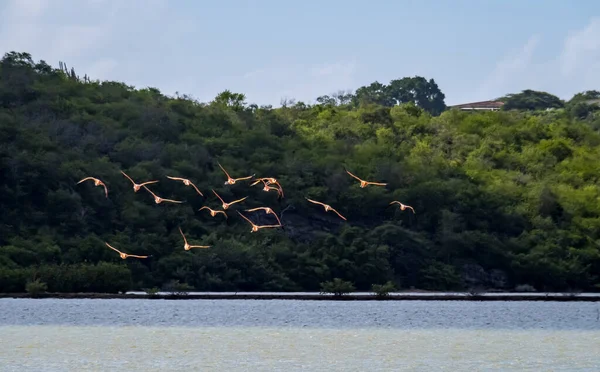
pixel 276 335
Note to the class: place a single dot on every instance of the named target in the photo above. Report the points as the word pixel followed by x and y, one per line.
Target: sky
pixel 272 50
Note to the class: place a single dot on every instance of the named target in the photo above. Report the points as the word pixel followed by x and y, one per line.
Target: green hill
pixel 501 198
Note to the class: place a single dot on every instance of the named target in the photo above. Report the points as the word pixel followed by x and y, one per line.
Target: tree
pixel 375 93
pixel 236 101
pixel 425 94
pixel 581 105
pixel 531 100
pixel 585 96
pixel 417 90
pixel 501 198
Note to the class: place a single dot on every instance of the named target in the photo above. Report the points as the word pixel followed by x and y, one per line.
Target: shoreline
pixel 314 297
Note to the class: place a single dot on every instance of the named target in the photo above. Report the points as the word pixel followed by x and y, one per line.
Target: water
pixel 249 335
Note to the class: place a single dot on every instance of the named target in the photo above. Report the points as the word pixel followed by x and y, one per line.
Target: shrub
pixel 177 288
pixel 152 292
pixel 524 288
pixel 383 290
pixel 337 287
pixel 36 287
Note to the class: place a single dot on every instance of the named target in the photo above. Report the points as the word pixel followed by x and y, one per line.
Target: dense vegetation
pixel 502 198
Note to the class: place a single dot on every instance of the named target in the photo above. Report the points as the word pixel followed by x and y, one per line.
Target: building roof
pixel 480 105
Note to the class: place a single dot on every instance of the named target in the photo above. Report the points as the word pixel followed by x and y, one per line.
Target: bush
pixel 36 287
pixel 152 292
pixel 524 288
pixel 177 288
pixel 337 287
pixel 383 290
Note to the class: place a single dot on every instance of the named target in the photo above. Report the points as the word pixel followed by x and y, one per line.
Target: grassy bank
pixel 315 297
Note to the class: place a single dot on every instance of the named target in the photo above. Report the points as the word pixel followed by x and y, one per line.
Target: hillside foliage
pixel 501 198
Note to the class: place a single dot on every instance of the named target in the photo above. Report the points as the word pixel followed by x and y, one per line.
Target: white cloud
pixel 574 69
pixel 581 51
pixel 512 68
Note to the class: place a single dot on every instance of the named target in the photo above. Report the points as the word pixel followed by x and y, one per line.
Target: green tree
pixel 423 93
pixel 501 198
pixel 531 100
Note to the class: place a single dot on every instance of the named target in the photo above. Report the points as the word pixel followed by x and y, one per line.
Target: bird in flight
pixel 268 188
pixel 122 254
pixel 226 205
pixel 158 199
pixel 256 227
pixel 187 247
pixel 137 186
pixel 231 181
pixel 97 182
pixel 267 180
pixel 364 183
pixel 213 212
pixel 327 208
pixel 186 182
pixel 403 206
pixel 267 210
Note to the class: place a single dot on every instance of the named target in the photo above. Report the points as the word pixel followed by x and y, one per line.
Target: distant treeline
pixel 502 199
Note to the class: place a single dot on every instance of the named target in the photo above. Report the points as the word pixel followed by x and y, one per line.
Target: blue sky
pixel 269 50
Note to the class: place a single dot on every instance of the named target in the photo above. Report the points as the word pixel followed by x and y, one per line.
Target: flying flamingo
pixel 327 208
pixel 268 180
pixel 268 188
pixel 254 226
pixel 231 181
pixel 186 182
pixel 226 205
pixel 364 183
pixel 158 199
pixel 187 247
pixel 97 182
pixel 213 212
pixel 267 210
pixel 137 186
pixel 122 254
pixel 403 206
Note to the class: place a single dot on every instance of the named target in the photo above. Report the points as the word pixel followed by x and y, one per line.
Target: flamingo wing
pixel 195 188
pixel 246 218
pixel 338 213
pixel 153 194
pixel 86 179
pixel 244 178
pixel 223 169
pixel 239 200
pixel 176 178
pixel 136 256
pixel 222 201
pixel 376 183
pixel 316 202
pixel 129 178
pixel 181 232
pixel 113 248
pixel 278 220
pixel 148 183
pixel 352 175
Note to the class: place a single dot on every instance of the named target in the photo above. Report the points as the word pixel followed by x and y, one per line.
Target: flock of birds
pixel 269 184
